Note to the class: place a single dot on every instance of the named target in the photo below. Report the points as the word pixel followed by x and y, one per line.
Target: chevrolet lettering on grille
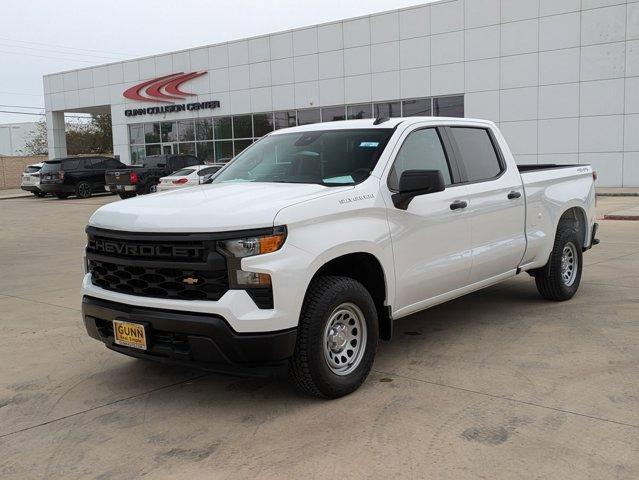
pixel 141 250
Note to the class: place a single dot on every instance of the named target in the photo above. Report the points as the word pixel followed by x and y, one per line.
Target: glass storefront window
pixel 222 128
pixel 262 124
pixel 242 127
pixel 169 131
pixel 449 106
pixel 417 108
pixel 285 119
pixel 333 114
pixel 151 132
pixel 136 134
pixel 204 129
pixel 240 145
pixel 388 110
pixel 223 151
pixel 153 150
pixel 186 131
pixel 186 148
pixel 137 155
pixel 306 117
pixel 357 112
pixel 206 152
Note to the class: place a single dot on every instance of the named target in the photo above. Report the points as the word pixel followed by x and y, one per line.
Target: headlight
pixel 251 246
pixel 239 248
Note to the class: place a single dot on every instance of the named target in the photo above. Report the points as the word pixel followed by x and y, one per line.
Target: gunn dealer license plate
pixel 129 334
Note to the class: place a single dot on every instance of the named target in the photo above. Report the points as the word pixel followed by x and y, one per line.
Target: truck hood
pixel 207 208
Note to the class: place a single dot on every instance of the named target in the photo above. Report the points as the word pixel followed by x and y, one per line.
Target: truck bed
pixel 543 166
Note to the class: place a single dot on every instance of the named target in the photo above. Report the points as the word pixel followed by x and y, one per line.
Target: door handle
pixel 513 195
pixel 458 205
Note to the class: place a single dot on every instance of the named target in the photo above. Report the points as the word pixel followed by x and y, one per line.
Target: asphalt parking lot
pixel 499 384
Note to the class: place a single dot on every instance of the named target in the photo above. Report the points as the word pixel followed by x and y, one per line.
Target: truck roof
pixel 387 123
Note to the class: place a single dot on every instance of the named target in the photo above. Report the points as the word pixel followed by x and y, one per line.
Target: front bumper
pixel 199 340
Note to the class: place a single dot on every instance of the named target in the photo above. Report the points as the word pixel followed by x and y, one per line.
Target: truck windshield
pixel 330 157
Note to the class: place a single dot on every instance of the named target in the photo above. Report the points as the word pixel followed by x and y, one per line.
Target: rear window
pixel 183 173
pixel 208 171
pixel 51 166
pixel 478 154
pixel 31 169
pixel 155 161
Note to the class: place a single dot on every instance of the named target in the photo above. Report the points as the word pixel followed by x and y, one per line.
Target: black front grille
pixel 159 282
pixel 174 266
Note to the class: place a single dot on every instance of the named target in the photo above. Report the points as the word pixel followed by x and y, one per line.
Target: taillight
pixel 594 176
pixel 133 176
pixel 180 181
pixel 61 174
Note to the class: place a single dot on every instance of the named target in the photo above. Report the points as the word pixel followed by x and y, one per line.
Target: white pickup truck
pixel 310 243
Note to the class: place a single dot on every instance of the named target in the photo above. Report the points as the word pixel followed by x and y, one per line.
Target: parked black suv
pixel 79 176
pixel 145 178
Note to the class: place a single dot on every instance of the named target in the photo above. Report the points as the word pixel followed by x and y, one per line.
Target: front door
pixel 167 149
pixel 431 241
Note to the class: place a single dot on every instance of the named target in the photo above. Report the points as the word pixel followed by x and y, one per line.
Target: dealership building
pixel 560 78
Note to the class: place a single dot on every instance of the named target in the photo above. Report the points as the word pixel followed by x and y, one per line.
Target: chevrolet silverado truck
pixel 309 244
pixel 142 179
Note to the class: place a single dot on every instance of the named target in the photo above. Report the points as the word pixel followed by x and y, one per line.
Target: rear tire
pixel 83 190
pixel 336 338
pixel 150 188
pixel 62 196
pixel 560 280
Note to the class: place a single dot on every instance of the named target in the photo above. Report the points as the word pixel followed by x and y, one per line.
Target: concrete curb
pixel 621 217
pixel 618 194
pixel 15 196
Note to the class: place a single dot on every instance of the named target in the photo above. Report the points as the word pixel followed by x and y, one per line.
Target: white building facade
pixel 14 137
pixel 560 77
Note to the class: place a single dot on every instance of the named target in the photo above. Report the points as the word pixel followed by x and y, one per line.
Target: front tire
pixel 336 338
pixel 124 196
pixel 560 280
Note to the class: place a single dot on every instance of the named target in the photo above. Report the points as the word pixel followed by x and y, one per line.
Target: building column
pixel 56 135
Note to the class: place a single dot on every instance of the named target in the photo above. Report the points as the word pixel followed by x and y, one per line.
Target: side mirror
pixel 414 183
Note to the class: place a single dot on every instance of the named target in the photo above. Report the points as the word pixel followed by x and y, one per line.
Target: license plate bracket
pixel 131 334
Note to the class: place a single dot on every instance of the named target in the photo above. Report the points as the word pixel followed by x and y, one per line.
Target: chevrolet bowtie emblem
pixel 190 280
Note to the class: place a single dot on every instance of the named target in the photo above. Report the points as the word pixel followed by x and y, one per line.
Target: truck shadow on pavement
pixel 421 335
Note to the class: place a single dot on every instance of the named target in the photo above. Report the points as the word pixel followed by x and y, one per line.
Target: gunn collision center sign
pixel 165 89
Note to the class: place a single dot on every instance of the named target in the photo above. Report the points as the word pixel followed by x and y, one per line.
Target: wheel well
pixel 366 269
pixel 576 218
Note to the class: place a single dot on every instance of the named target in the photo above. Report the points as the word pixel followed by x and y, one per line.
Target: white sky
pixel 46 36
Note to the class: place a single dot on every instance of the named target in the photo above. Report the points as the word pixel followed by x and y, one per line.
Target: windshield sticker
pixel 358 198
pixel 344 179
pixel 369 144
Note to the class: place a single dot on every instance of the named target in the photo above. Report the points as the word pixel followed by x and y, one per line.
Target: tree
pixel 37 142
pixel 94 136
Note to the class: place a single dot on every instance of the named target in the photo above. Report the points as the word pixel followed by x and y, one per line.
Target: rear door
pixel 496 203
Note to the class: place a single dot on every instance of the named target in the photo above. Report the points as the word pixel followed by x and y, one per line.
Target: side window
pixel 477 152
pixel 422 150
pixel 68 165
pixel 191 161
pixel 178 163
pixel 99 164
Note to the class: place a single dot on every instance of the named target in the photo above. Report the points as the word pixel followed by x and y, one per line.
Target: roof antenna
pixel 380 120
